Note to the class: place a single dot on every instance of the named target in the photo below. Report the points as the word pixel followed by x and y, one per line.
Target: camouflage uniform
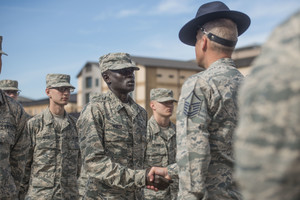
pixel 267 146
pixel 53 164
pixel 14 144
pixel 161 151
pixel 206 118
pixel 112 142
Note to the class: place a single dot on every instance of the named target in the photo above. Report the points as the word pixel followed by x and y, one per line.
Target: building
pixel 153 73
pixel 35 107
pixel 245 56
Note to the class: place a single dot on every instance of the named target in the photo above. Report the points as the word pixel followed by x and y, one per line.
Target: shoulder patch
pixel 192 108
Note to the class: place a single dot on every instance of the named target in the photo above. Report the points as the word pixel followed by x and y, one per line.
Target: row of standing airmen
pixel 111 153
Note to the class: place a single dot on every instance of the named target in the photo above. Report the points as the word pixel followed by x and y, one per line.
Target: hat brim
pixel 164 99
pixel 62 85
pixel 188 32
pixel 124 66
pixel 2 52
pixel 10 88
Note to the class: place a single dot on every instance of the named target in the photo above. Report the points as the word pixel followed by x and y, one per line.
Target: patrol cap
pixel 116 61
pixel 1 52
pixel 9 85
pixel 58 80
pixel 161 95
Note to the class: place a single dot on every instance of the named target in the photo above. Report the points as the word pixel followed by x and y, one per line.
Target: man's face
pixel 164 109
pixel 12 93
pixel 59 95
pixel 121 81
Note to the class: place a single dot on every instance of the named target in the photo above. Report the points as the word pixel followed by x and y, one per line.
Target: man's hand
pixel 157 178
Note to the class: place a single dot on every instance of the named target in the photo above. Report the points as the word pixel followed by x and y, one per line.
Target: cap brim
pixel 2 52
pixel 164 99
pixel 63 85
pixel 10 88
pixel 188 32
pixel 124 66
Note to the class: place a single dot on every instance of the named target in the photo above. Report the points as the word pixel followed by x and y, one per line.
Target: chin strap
pixel 217 39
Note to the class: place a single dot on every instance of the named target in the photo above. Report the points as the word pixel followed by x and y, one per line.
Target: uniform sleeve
pixel 97 165
pixel 29 159
pixel 173 170
pixel 193 149
pixel 79 164
pixel 20 149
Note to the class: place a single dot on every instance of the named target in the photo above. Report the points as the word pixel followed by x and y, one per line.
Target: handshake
pixel 157 178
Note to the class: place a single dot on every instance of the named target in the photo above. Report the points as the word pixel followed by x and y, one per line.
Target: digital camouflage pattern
pixel 112 143
pixel 161 95
pixel 206 118
pixel 161 152
pixel 267 146
pixel 53 164
pixel 14 145
pixel 9 85
pixel 58 80
pixel 116 61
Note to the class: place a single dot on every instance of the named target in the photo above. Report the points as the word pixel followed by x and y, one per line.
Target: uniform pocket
pixel 43 179
pixel 156 154
pixel 7 134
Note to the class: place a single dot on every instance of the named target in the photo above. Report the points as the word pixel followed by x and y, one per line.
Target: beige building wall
pixel 89 82
pixel 36 109
pixel 245 70
pixel 79 93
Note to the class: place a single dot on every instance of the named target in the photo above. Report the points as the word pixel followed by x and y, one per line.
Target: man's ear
pixel 152 105
pixel 204 43
pixel 48 92
pixel 105 76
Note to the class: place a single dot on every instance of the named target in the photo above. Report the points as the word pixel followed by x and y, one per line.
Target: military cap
pixel 116 61
pixel 9 85
pixel 1 52
pixel 58 80
pixel 161 95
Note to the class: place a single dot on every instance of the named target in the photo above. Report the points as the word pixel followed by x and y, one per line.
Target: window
pixel 97 82
pixel 88 82
pixel 87 97
pixel 88 68
pixel 171 76
pixel 158 75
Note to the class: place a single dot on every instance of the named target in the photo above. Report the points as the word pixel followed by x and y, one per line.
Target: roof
pixel 249 47
pixel 22 99
pixel 244 62
pixel 73 99
pixel 157 62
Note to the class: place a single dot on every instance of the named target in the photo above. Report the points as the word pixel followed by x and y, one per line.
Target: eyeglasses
pixel 12 92
pixel 63 89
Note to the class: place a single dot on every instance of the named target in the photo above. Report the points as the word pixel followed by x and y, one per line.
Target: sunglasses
pixel 10 92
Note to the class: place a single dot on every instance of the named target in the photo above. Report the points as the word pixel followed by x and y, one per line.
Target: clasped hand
pixel 157 178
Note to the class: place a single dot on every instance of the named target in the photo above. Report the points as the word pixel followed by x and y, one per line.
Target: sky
pixel 60 36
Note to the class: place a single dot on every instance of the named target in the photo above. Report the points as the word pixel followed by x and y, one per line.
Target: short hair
pixel 224 28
